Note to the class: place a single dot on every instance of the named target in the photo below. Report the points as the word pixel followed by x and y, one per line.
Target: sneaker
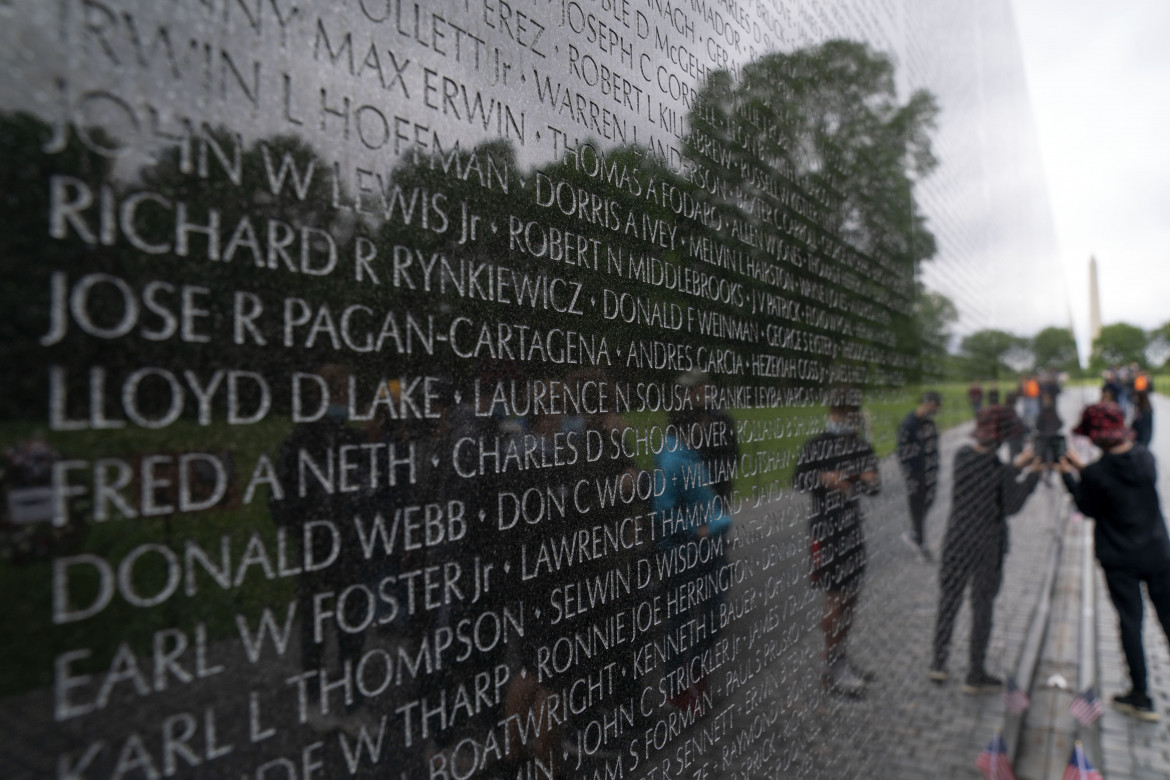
pixel 869 675
pixel 839 678
pixel 936 675
pixel 919 549
pixel 1136 704
pixel 982 682
pixel 321 723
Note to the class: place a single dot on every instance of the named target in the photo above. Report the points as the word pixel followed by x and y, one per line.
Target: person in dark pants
pixel 918 456
pixel 1143 418
pixel 1048 425
pixel 1048 443
pixel 975 396
pixel 1119 490
pixel 321 520
pixel 688 490
pixel 986 493
pixel 834 469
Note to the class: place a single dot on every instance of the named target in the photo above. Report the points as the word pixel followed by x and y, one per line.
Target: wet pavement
pixel 938 732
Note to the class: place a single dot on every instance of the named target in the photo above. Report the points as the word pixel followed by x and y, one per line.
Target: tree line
pixel 991 353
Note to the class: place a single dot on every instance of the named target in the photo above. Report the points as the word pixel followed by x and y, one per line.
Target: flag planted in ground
pixel 1079 767
pixel 1014 699
pixel 1086 707
pixel 993 761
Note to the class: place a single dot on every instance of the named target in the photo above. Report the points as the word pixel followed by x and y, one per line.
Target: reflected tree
pixel 1119 344
pixel 994 354
pixel 935 315
pixel 1158 349
pixel 29 256
pixel 1055 348
pixel 813 149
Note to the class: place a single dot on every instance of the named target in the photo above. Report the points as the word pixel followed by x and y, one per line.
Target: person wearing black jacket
pixel 1048 442
pixel 918 456
pixel 835 469
pixel 1119 490
pixel 320 519
pixel 986 492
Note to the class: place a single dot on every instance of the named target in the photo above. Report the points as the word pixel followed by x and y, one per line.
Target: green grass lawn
pixel 28 663
pixel 883 413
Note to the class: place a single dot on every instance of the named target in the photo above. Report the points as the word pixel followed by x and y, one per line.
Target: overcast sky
pixel 1099 77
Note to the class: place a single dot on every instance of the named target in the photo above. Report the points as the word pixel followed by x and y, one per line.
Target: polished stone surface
pixel 417 388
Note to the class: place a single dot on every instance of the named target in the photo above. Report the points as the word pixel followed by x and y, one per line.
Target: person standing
pixel 986 493
pixel 918 456
pixel 1047 442
pixel 1111 388
pixel 1142 383
pixel 835 468
pixel 1049 384
pixel 975 397
pixel 1119 490
pixel 1125 376
pixel 1143 418
pixel 691 489
pixel 1030 392
pixel 299 504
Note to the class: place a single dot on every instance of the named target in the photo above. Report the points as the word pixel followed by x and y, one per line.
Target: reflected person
pixel 309 501
pixel 701 522
pixel 527 693
pixel 1048 442
pixel 986 492
pixel 918 457
pixel 1029 392
pixel 722 451
pixel 975 397
pixel 835 468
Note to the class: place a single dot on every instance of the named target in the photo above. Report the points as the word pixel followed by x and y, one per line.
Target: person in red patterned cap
pixel 1119 490
pixel 986 492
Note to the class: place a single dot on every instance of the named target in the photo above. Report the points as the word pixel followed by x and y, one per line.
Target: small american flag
pixel 1014 699
pixel 1079 767
pixel 1086 707
pixel 993 761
